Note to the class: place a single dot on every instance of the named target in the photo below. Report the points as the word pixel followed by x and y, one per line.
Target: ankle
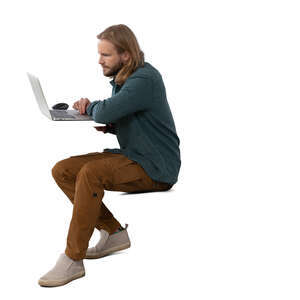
pixel 118 229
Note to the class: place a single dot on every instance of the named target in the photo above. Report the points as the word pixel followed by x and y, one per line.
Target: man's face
pixel 109 59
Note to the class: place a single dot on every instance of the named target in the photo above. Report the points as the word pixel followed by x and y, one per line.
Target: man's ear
pixel 125 56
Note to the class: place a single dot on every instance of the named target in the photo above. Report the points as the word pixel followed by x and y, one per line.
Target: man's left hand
pixel 81 105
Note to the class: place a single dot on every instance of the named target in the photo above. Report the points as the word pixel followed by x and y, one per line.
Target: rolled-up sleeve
pixel 135 95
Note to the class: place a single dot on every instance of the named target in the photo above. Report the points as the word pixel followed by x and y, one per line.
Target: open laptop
pixel 55 115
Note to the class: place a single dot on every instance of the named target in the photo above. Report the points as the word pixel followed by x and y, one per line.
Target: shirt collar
pixel 112 82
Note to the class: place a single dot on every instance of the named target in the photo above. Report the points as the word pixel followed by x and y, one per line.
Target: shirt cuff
pixel 89 109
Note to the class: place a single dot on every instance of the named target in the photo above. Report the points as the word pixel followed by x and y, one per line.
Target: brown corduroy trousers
pixel 83 178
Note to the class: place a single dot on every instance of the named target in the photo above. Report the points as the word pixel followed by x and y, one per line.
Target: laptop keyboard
pixel 62 114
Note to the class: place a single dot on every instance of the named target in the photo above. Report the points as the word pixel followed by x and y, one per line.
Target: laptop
pixel 55 115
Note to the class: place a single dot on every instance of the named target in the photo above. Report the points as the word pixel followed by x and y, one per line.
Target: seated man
pixel 148 159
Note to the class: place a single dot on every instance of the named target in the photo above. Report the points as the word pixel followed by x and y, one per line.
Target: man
pixel 148 159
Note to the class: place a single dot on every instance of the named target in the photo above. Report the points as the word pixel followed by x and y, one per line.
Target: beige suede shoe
pixel 65 270
pixel 109 243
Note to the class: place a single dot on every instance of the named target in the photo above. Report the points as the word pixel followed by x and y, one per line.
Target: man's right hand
pixel 104 128
pixel 81 105
pixel 101 128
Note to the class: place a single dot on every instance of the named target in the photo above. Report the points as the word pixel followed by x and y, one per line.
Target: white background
pixel 229 229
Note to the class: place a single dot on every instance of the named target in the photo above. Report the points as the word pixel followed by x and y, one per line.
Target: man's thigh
pixel 70 167
pixel 129 176
pixel 119 173
pixel 116 171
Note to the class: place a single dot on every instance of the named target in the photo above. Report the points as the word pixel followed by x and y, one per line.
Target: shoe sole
pixel 60 282
pixel 108 251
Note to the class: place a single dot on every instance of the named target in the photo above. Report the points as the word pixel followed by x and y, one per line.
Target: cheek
pixel 113 61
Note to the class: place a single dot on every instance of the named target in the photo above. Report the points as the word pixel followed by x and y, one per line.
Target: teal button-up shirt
pixel 143 123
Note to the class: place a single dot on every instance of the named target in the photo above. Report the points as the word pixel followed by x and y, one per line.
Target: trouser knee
pixel 58 170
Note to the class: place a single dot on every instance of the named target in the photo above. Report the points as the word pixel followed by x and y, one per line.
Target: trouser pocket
pixel 129 171
pixel 129 176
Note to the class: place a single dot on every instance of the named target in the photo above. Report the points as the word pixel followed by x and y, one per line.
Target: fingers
pixel 100 128
pixel 75 105
pixel 81 105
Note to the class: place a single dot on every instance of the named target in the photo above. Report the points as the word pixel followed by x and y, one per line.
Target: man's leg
pixel 114 173
pixel 65 173
pixel 70 266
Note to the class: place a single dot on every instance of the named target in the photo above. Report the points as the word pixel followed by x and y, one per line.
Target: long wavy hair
pixel 122 37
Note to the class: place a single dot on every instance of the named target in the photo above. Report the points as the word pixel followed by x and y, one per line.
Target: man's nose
pixel 101 62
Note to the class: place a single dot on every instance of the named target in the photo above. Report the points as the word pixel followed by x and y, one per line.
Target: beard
pixel 111 72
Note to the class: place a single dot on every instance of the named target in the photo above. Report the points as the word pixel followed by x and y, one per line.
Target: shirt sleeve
pixel 135 95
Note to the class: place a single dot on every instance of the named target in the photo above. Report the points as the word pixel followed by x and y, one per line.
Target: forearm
pixel 135 95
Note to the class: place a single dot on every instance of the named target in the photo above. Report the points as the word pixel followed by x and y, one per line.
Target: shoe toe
pixel 63 272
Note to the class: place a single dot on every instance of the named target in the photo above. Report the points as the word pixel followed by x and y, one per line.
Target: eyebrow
pixel 103 53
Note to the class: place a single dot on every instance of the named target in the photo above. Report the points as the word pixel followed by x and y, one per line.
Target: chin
pixel 106 71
